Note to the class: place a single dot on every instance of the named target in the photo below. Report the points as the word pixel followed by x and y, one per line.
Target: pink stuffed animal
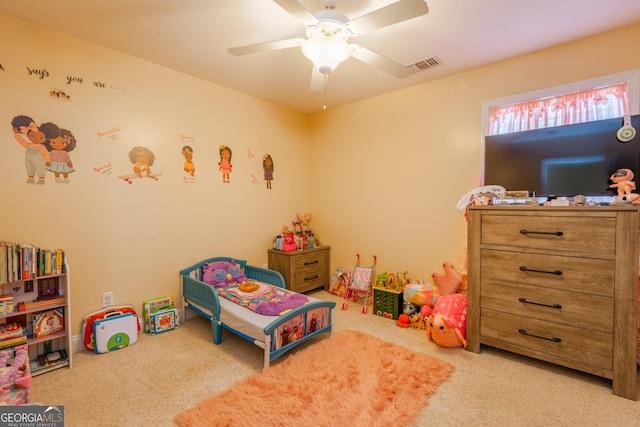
pixel 449 282
pixel 447 325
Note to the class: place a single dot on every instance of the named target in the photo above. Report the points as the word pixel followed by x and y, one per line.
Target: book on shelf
pixel 27 262
pixel 11 334
pixel 6 304
pixel 48 322
pixel 10 272
pixel 3 263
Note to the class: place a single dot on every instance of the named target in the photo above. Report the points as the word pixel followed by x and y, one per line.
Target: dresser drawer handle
pixel 311 278
pixel 554 339
pixel 311 262
pixel 553 233
pixel 524 300
pixel 556 272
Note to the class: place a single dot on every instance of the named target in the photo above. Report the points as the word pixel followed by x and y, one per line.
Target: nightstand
pixel 302 270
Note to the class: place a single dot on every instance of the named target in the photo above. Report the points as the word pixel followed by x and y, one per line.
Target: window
pixel 597 99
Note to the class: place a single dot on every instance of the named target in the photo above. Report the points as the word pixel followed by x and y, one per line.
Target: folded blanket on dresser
pixel 267 299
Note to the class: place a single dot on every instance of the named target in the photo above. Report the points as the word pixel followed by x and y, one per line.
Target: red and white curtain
pixel 579 107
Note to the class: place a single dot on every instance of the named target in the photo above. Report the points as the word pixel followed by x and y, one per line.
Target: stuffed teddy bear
pixel 221 274
pixel 447 324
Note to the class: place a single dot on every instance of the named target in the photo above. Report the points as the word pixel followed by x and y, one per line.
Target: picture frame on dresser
pixel 558 284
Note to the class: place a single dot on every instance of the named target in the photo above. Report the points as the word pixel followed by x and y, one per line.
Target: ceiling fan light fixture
pixel 326 52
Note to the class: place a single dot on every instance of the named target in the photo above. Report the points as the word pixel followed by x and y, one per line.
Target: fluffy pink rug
pixel 348 379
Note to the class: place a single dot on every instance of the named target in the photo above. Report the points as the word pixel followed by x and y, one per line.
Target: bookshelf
pixel 34 300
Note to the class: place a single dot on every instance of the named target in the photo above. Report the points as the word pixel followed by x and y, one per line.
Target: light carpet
pixel 348 379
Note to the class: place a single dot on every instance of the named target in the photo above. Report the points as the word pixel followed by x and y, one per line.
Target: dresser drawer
pixel 591 235
pixel 558 306
pixel 588 275
pixel 562 341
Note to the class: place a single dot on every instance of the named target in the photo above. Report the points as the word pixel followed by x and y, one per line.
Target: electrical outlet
pixel 107 299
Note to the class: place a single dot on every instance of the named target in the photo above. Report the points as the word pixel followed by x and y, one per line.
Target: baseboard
pixel 77 344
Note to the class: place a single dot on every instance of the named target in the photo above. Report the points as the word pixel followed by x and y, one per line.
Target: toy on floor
pixel 421 294
pixel 393 279
pixel 409 308
pixel 404 321
pixel 447 324
pixel 361 285
pixel 340 280
pixel 449 282
pixel 419 320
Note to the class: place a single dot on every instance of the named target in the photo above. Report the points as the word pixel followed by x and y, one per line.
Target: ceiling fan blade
pixel 375 59
pixel 394 13
pixel 298 11
pixel 317 80
pixel 266 46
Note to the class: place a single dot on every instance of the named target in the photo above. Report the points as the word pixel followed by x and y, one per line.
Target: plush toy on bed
pixel 221 274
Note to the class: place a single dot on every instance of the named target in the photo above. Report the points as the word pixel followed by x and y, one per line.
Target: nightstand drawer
pixel 588 275
pixel 593 235
pixel 558 306
pixel 305 281
pixel 555 340
pixel 310 261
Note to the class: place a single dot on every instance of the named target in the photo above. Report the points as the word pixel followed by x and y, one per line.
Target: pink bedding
pixel 267 299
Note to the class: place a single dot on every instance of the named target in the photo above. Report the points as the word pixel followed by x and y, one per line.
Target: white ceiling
pixel 192 36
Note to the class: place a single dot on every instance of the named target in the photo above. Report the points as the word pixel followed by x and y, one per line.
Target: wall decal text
pixel 40 73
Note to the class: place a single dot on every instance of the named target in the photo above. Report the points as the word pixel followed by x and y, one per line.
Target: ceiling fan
pixel 328 32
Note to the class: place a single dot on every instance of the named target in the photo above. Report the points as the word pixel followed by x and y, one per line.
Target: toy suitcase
pixel 91 318
pixel 115 331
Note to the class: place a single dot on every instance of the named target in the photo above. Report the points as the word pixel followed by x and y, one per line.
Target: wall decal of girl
pixel 267 165
pixel 142 159
pixel 189 166
pixel 225 163
pixel 59 142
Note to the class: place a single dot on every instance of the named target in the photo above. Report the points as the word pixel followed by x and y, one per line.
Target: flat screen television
pixel 563 161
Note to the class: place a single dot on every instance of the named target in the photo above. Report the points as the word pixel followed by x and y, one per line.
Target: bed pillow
pixel 221 274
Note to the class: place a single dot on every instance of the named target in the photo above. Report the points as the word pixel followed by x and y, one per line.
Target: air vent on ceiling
pixel 425 64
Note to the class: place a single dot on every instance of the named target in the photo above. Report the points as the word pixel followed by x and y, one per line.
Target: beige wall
pixel 387 172
pixel 133 239
pixel 381 176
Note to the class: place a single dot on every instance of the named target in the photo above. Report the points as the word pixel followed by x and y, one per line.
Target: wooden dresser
pixel 557 284
pixel 302 270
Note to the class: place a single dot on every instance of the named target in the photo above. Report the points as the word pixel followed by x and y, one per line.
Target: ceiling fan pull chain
pixel 324 93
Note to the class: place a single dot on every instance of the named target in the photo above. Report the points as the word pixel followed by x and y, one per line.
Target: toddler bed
pixel 276 320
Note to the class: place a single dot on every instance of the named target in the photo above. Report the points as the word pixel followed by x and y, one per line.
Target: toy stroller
pixel 360 285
